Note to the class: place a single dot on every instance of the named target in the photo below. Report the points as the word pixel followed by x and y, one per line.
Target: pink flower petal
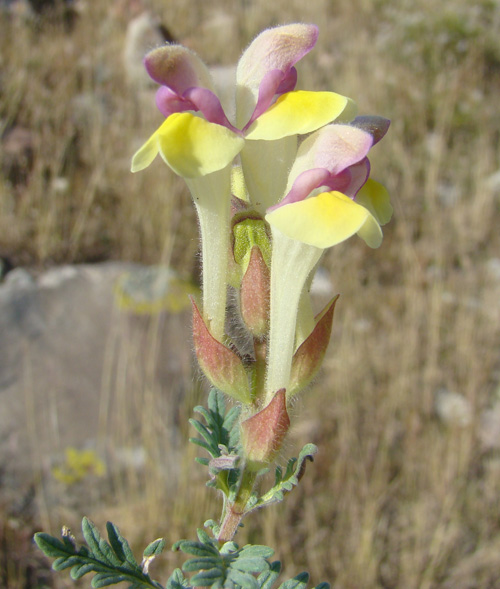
pixel 375 125
pixel 274 83
pixel 169 102
pixel 304 184
pixel 178 68
pixel 209 105
pixel 274 50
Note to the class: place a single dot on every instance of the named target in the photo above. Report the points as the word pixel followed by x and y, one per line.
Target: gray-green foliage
pixel 212 565
pixel 113 562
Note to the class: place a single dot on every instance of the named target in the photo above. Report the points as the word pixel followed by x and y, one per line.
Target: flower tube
pixel 329 198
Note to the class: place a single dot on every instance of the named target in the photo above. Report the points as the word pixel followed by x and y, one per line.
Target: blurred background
pixel 405 489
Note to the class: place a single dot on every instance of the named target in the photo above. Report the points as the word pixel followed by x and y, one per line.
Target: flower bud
pixel 223 367
pixel 263 433
pixel 254 295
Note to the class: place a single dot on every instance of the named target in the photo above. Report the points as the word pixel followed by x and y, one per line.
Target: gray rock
pixel 452 408
pixel 86 362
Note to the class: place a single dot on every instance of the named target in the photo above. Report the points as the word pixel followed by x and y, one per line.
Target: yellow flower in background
pixel 78 465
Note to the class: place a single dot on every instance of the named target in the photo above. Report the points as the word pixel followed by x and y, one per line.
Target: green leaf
pixel 298 582
pixel 203 461
pixel 107 579
pixel 99 547
pixel 204 538
pixel 112 564
pixel 284 483
pixel 155 548
pixel 82 569
pixel 120 546
pixel 256 551
pixel 177 580
pixel 196 548
pixel 322 586
pixel 244 580
pixel 50 546
pixel 201 564
pixel 250 565
pixel 267 579
pixel 207 578
pixel 216 403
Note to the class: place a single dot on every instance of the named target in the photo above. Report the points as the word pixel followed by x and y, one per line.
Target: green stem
pixel 234 511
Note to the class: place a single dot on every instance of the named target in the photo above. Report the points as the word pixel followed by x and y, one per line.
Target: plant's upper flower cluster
pixel 302 197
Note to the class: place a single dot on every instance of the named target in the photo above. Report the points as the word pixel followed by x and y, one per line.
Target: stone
pixel 89 363
pixel 452 408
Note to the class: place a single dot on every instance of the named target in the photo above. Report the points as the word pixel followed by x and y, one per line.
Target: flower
pixel 198 142
pixel 328 198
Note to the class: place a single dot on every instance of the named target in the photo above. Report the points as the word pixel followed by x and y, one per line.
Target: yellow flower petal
pixel 375 198
pixel 297 113
pixel 191 146
pixel 145 155
pixel 326 220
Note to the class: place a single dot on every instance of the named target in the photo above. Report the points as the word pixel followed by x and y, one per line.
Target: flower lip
pixel 273 84
pixel 266 68
pixel 178 68
pixel 375 125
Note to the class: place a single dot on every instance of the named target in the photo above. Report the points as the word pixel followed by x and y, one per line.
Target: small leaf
pixel 216 402
pixel 155 548
pixel 177 580
pixel 196 548
pixel 256 551
pixel 203 537
pixel 267 578
pixel 204 432
pixel 82 569
pixel 244 580
pixel 201 564
pixel 250 565
pixel 65 562
pixel 100 548
pixel 322 586
pixel 121 546
pixel 298 582
pixel 107 579
pixel 50 546
pixel 207 578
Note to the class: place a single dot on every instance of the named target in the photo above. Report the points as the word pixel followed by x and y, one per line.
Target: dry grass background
pixel 395 498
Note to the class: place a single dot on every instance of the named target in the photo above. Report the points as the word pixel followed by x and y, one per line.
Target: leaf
pixel 155 548
pixel 201 564
pixel 286 482
pixel 176 580
pixel 81 569
pixel 298 582
pixel 49 545
pixel 107 579
pixel 216 403
pixel 244 580
pixel 99 547
pixel 255 551
pixel 113 563
pixel 267 578
pixel 196 548
pixel 121 547
pixel 207 578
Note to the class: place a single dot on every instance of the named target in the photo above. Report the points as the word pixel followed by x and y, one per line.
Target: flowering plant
pixel 273 189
